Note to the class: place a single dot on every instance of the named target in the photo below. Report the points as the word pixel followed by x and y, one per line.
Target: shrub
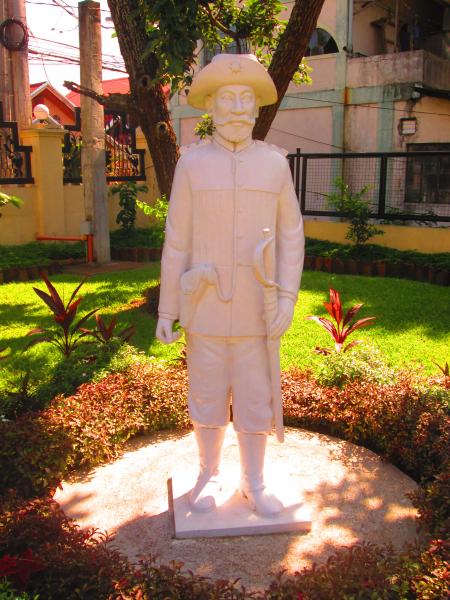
pixel 38 449
pixel 72 563
pixel 406 421
pixel 102 416
pixel 33 455
pixel 127 191
pixel 356 209
pixel 158 213
pixel 8 593
pixel 365 363
pixel 369 572
pixel 39 253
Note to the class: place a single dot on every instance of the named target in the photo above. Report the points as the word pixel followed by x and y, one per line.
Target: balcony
pixel 416 66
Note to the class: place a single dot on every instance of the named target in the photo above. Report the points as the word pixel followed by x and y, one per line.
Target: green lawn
pixel 412 326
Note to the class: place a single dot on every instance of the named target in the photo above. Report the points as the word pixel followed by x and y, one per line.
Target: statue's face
pixel 234 109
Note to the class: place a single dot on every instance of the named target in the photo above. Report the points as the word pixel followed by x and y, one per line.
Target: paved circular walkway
pixel 352 495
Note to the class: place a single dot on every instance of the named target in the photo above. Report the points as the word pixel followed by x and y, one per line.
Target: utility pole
pixel 93 166
pixel 15 81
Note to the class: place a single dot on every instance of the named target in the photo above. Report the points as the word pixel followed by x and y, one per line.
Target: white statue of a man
pixel 225 193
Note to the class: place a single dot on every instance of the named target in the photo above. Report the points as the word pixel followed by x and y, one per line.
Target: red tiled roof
pixel 35 86
pixel 110 86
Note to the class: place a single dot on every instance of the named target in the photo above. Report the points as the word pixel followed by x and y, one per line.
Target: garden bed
pixel 20 263
pixel 44 552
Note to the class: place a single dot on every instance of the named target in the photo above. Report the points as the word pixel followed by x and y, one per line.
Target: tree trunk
pixel 147 97
pixel 287 57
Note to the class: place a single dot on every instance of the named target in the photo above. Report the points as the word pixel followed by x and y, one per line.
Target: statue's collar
pixel 220 141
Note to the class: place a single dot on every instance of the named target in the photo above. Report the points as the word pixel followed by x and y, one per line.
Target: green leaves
pixel 174 28
pixel 356 209
pixel 7 199
pixel 127 192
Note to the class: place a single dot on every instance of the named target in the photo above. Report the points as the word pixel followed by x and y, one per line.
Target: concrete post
pixel 18 68
pixel 47 169
pixel 93 129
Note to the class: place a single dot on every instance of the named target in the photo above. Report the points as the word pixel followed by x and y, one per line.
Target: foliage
pixel 106 332
pixel 406 421
pixel 366 571
pixel 89 427
pixel 39 253
pixel 73 563
pixel 102 416
pixel 7 593
pixel 365 363
pixel 343 327
pixel 127 192
pixel 86 364
pixel 205 127
pixel 218 24
pixel 440 260
pixel 19 397
pixel 33 455
pixel 7 199
pixel 137 238
pixel 158 213
pixel 356 209
pixel 68 337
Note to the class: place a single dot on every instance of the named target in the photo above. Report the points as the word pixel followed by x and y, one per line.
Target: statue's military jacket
pixel 220 203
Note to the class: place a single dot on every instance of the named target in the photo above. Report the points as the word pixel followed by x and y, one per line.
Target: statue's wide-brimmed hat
pixel 232 69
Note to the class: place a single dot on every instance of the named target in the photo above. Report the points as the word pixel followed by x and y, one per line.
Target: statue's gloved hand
pixel 165 332
pixel 283 318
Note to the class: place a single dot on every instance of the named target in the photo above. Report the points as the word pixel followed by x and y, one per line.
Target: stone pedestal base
pixel 233 515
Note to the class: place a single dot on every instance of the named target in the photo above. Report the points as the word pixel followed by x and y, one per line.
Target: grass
pixel 412 326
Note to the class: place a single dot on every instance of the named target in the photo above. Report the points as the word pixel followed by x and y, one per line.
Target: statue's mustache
pixel 233 120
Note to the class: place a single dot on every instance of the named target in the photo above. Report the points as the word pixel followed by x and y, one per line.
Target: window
pixel 428 177
pixel 321 42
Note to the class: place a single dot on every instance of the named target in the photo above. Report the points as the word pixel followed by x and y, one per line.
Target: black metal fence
pixel 404 186
pixel 124 162
pixel 15 160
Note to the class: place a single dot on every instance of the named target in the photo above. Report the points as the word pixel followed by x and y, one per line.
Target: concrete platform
pixel 233 515
pixel 352 495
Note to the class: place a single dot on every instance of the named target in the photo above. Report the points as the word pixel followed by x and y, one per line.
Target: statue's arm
pixel 290 255
pixel 176 253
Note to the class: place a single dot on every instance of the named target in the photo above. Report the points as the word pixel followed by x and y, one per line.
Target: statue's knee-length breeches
pixel 221 368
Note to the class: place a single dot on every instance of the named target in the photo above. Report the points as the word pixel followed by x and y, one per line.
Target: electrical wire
pixel 336 103
pixel 305 138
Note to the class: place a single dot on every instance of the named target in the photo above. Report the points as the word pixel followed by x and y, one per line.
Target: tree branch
pixel 217 24
pixel 113 102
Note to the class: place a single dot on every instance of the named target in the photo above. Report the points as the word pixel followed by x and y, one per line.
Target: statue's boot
pixel 203 495
pixel 252 449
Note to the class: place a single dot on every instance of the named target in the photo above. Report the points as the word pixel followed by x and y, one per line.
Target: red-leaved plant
pixel 343 327
pixel 106 332
pixel 68 336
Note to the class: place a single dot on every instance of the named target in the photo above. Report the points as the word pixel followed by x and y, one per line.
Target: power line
pixel 335 102
pixel 306 138
pixel 55 5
